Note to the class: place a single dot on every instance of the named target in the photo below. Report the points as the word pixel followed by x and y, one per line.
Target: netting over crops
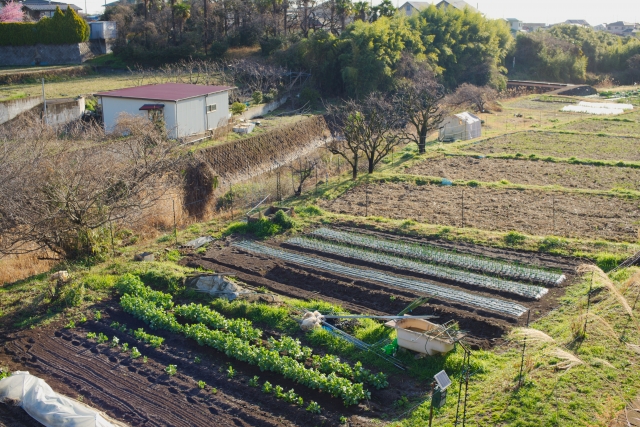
pixel 441 256
pixel 473 279
pixel 592 110
pixel 611 106
pixel 448 294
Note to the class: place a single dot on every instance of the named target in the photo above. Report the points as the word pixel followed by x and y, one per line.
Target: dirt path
pixel 529 211
pixel 530 172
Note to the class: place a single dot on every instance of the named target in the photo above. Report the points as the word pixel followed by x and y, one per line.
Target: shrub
pixel 514 238
pixel 270 44
pixel 62 28
pixel 308 95
pixel 256 97
pixel 284 221
pixel 238 108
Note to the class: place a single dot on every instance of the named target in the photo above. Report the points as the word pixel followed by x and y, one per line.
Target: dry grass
pixel 604 279
pixel 532 335
pixel 567 360
pixel 16 268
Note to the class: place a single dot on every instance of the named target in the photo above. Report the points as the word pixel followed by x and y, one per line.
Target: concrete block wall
pixel 59 111
pixel 15 107
pixel 49 54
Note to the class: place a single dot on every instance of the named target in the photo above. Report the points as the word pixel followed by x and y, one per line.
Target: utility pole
pixel 44 102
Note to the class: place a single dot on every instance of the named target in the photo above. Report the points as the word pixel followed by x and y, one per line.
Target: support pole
pixel 433 390
pixel 113 249
pixel 44 102
pixel 175 226
pixel 366 203
pixel 524 347
pixel 586 316
pixel 463 208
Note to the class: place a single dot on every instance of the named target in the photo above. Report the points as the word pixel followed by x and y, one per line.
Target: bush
pixel 514 238
pixel 238 108
pixel 256 97
pixel 308 95
pixel 270 44
pixel 62 28
pixel 284 221
pixel 218 49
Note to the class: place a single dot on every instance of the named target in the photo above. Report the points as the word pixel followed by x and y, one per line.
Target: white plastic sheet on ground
pixel 45 405
pixel 612 106
pixel 591 110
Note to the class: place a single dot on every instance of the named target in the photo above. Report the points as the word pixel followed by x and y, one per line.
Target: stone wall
pixel 249 157
pixel 48 54
pixel 262 109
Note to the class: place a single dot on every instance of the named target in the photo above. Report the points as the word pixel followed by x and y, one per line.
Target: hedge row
pixel 62 28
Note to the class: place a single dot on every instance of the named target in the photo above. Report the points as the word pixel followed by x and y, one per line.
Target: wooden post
pixel 175 226
pixel 112 245
pixel 463 208
pixel 586 316
pixel 433 390
pixel 524 347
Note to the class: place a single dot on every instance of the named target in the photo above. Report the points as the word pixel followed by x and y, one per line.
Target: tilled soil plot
pixel 140 393
pixel 561 145
pixel 360 296
pixel 530 172
pixel 529 211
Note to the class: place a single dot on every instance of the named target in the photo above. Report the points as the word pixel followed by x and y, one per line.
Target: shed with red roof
pixel 185 109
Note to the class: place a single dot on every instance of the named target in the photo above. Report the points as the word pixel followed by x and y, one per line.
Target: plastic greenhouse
pixel 461 126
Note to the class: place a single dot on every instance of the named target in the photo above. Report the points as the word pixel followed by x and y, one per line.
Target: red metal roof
pixel 165 92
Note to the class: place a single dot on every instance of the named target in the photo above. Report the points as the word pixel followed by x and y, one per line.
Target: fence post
pixel 586 316
pixel 463 208
pixel 175 226
pixel 524 347
pixel 113 249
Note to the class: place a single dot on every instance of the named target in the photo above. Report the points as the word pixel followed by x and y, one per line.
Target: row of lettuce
pixel 238 339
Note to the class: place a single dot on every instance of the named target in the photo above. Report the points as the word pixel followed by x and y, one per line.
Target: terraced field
pixel 530 172
pixel 530 211
pixel 618 125
pixel 542 144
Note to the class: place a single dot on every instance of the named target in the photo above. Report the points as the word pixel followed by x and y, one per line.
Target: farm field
pixel 619 125
pixel 561 145
pixel 529 211
pixel 529 172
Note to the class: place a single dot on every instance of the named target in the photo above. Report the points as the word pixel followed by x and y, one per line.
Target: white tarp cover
pixel 45 405
pixel 592 110
pixel 461 126
pixel 614 106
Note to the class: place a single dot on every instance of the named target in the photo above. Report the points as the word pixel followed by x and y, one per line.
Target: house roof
pixel 468 117
pixel 458 4
pixel 513 20
pixel 577 22
pixel 165 92
pixel 621 23
pixel 45 6
pixel 418 4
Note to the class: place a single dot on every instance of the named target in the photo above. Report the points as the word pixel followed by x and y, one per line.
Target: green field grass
pixel 565 145
pixel 616 125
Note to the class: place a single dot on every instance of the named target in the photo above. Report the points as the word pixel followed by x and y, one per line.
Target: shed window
pixel 211 108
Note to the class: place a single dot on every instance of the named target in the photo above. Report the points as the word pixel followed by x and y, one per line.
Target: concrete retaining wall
pixel 48 54
pixel 262 109
pixel 59 111
pixel 11 109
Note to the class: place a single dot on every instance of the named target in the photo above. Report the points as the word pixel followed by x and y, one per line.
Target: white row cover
pixel 592 110
pixel 613 106
pixel 45 405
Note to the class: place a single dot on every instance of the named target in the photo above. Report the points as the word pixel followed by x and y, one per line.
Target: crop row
pixel 442 256
pixel 239 349
pixel 241 328
pixel 493 304
pixel 474 279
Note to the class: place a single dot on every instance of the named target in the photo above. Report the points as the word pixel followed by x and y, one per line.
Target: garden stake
pixel 175 227
pixel 586 317
pixel 112 246
pixel 524 347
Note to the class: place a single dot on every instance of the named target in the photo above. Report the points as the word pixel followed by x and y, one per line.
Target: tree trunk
pixel 422 145
pixel 371 165
pixel 284 30
pixel 354 166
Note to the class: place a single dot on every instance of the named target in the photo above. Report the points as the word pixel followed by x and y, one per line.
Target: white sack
pixel 45 405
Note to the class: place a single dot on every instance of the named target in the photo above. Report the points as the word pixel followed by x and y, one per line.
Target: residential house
pixel 531 27
pixel 413 7
pixel 514 24
pixel 458 4
pixel 185 109
pixel 36 9
pixel 621 28
pixel 600 27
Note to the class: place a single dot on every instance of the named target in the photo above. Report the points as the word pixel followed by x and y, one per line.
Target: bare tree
pixel 303 168
pixel 368 129
pixel 476 96
pixel 419 101
pixel 61 198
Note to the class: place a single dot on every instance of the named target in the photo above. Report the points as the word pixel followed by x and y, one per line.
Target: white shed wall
pixel 219 117
pixel 113 107
pixel 191 116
